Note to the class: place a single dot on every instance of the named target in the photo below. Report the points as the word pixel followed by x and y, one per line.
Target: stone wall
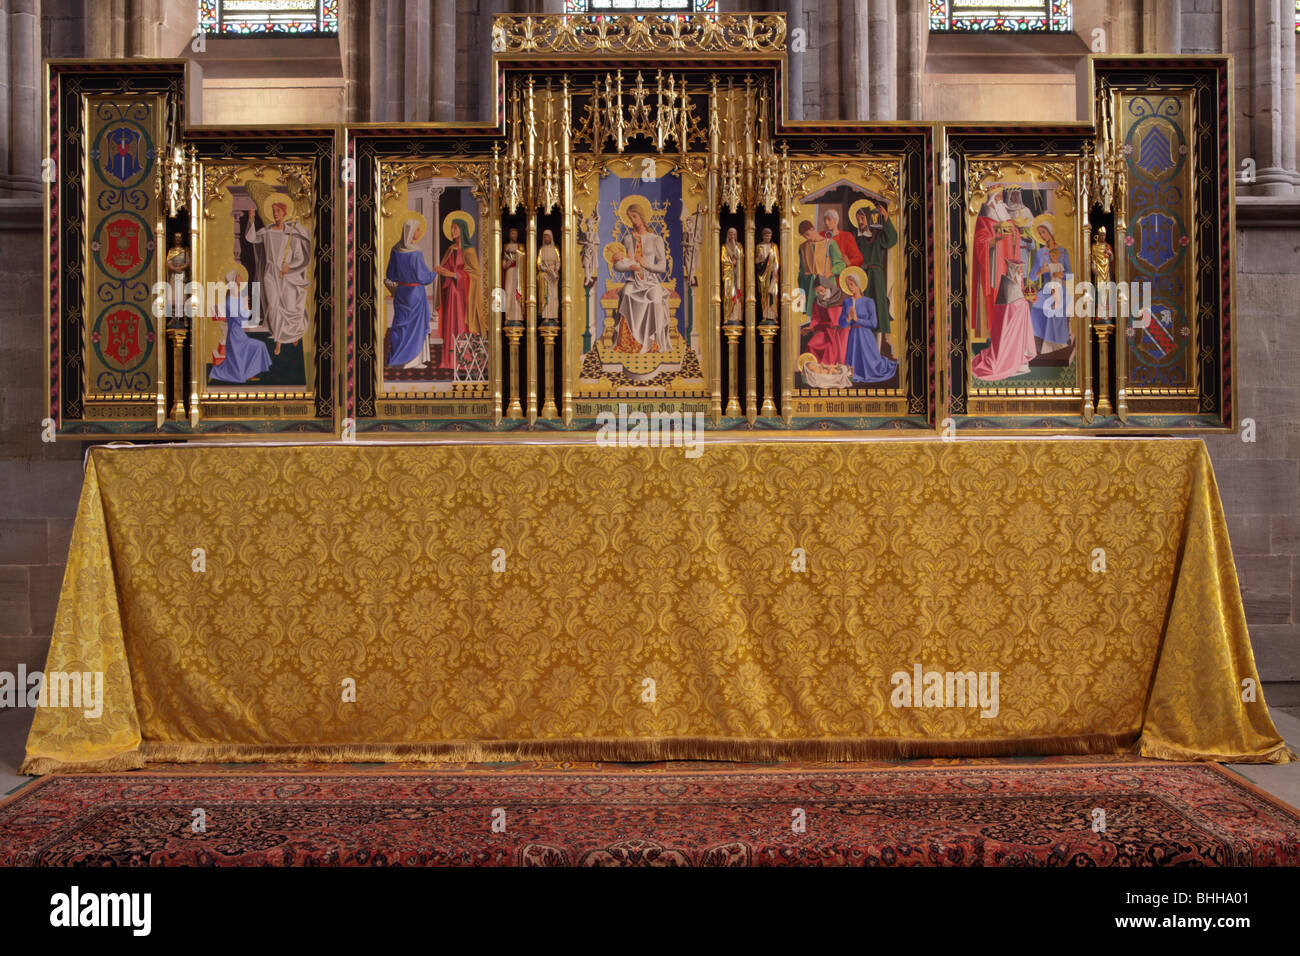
pixel 278 80
pixel 1260 481
pixel 39 482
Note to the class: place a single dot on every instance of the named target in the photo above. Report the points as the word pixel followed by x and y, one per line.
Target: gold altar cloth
pixel 505 601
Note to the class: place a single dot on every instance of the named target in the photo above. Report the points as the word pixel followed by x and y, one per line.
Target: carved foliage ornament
pixel 392 174
pixel 296 180
pixel 982 175
pixel 639 33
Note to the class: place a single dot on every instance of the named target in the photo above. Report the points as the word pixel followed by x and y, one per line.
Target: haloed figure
pixel 406 278
pixel 287 246
pixel 461 286
pixel 642 301
pixel 858 315
pixel 876 235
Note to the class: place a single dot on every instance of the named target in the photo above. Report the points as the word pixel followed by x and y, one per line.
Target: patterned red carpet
pixel 933 813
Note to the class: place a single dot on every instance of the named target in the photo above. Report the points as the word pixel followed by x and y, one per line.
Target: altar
pixel 820 600
pixel 641 232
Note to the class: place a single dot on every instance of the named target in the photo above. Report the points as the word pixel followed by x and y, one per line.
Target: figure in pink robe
pixel 995 245
pixel 1011 333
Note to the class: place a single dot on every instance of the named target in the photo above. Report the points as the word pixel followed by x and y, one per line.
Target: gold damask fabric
pixel 505 601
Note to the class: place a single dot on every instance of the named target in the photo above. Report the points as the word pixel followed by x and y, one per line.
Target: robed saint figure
pixel 406 277
pixel 995 245
pixel 460 289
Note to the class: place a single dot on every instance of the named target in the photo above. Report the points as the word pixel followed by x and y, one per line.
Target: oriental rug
pixel 961 814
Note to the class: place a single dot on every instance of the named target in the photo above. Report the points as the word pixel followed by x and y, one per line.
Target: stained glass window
pixel 641 6
pixel 269 17
pixel 1000 16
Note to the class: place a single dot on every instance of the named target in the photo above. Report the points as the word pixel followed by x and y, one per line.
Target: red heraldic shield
pixel 124 252
pixel 123 336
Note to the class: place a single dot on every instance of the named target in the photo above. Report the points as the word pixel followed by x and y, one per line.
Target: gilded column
pixel 714 276
pixel 530 300
pixel 494 251
pixel 568 251
pixel 788 270
pixel 747 272
pixel 751 335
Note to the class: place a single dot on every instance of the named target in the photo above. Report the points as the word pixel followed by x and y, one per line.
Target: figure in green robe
pixel 876 235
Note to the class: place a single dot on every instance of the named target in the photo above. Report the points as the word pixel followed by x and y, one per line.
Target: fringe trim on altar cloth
pixel 641 749
pixel 39 766
pixel 1166 751
pixel 637 749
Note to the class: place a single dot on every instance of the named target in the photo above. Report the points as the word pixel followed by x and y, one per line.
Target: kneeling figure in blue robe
pixel 858 315
pixel 246 357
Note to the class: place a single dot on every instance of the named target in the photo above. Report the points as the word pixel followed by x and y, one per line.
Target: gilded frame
pixel 541 55
pixel 305 161
pixel 583 402
pixel 881 175
pixel 76 408
pixel 393 177
pixel 985 174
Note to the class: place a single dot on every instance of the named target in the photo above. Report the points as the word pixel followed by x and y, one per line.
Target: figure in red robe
pixel 846 241
pixel 460 291
pixel 995 245
pixel 820 264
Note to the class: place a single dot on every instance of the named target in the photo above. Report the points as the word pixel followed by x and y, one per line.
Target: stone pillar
pixel 21 126
pixel 143 27
pixel 1288 64
pixel 855 60
pixel 392 63
pixel 1169 26
pixel 487 92
pixel 821 65
pixel 420 60
pixel 1274 128
pixel 378 42
pixel 106 29
pixel 354 47
pixel 913 28
pixel 795 20
pixel 444 59
pixel 882 40
pixel 153 28
pixel 413 59
pixel 8 74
